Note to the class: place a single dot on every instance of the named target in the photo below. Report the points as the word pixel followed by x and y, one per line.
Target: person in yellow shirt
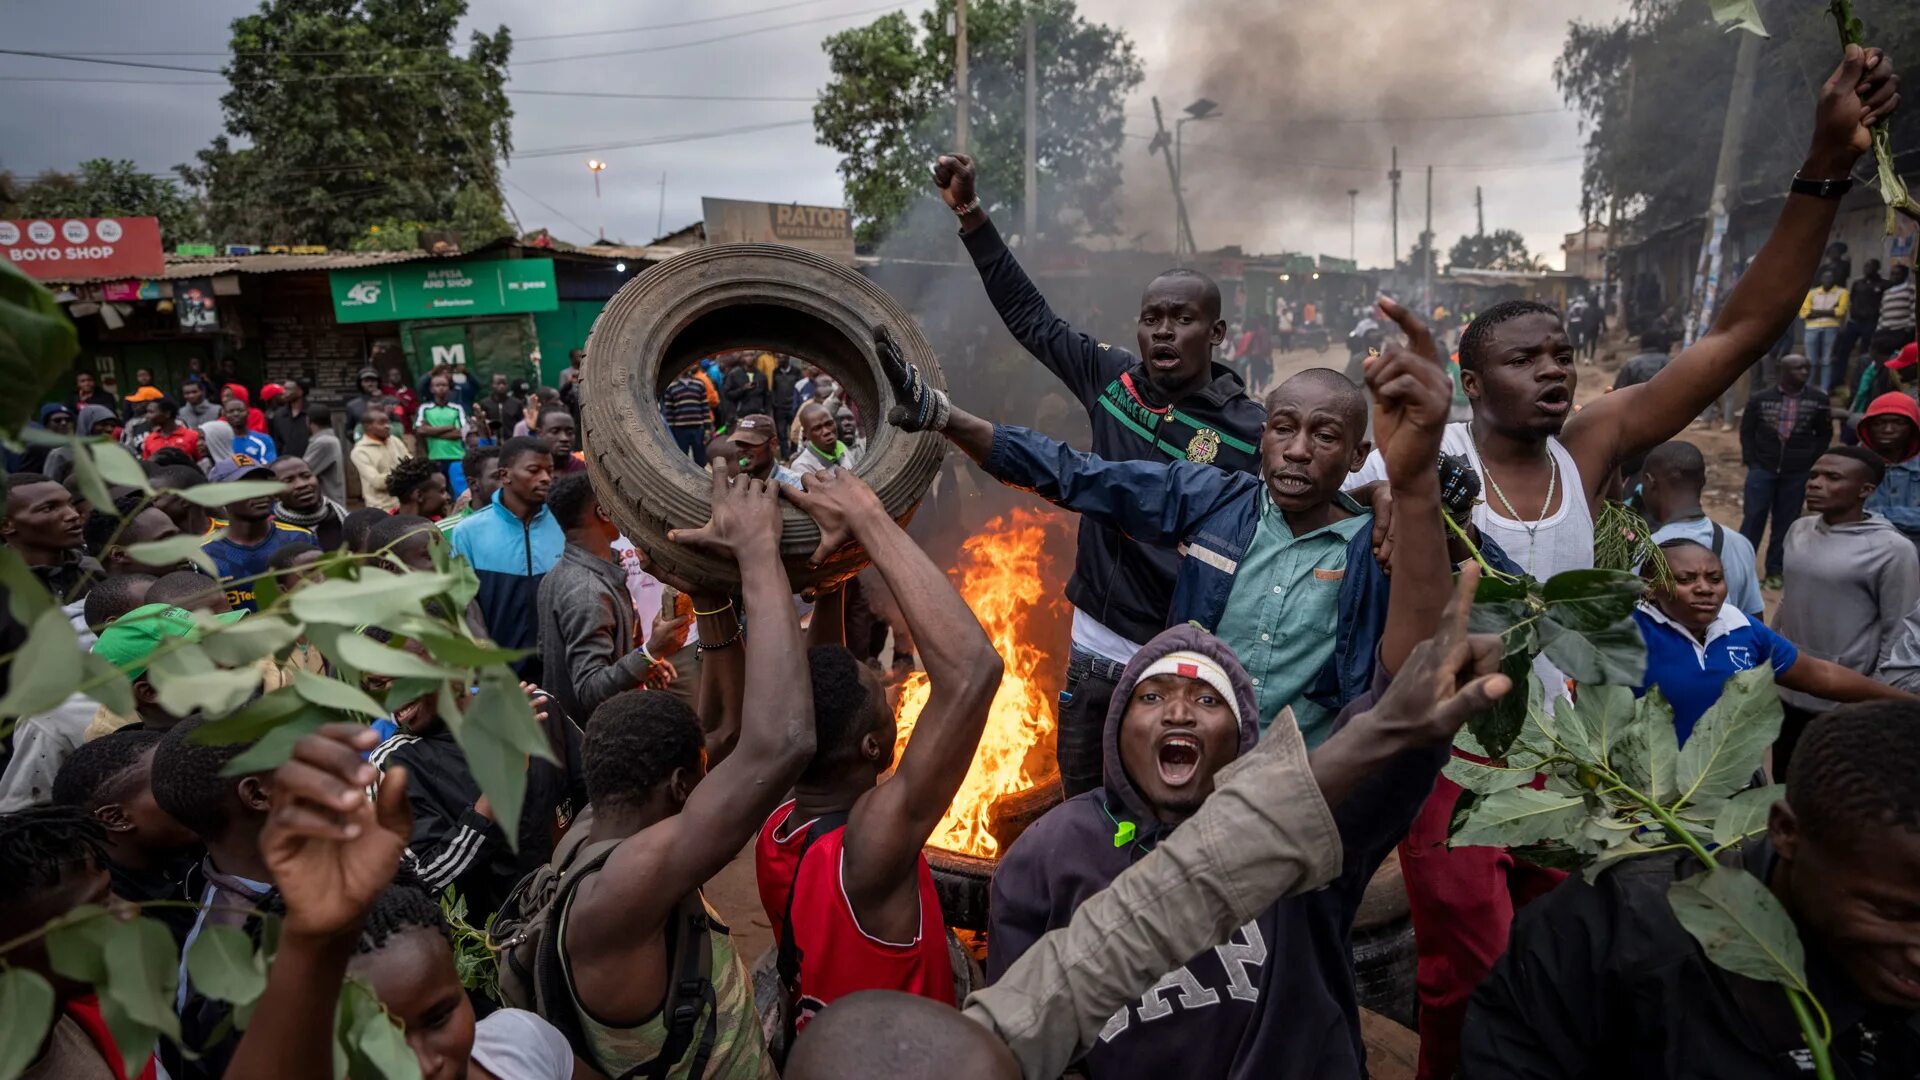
pixel 1823 311
pixel 374 457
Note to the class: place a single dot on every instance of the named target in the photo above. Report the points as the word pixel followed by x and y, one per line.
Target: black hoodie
pixel 1276 1001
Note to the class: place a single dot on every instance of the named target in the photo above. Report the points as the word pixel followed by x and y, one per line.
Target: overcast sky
pixel 1313 97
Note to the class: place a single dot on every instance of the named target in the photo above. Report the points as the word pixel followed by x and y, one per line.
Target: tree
pixel 1652 91
pixel 1502 249
pixel 888 110
pixel 104 188
pixel 355 113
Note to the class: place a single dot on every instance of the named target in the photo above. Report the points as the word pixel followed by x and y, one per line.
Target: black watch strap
pixel 1821 189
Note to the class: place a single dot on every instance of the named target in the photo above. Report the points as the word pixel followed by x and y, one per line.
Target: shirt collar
pixel 1730 619
pixel 1277 518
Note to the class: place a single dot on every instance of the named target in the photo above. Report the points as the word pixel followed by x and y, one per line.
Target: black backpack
pixel 531 975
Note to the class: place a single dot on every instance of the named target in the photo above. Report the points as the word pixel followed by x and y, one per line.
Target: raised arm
pixel 1861 92
pixel 891 823
pixel 1076 359
pixel 1826 679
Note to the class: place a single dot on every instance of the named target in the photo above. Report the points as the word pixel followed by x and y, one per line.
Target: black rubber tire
pixel 1384 967
pixel 964 884
pixel 736 296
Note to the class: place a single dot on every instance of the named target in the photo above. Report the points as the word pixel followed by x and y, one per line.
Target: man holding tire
pixel 1169 403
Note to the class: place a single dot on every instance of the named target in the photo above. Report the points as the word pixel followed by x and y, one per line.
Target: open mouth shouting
pixel 1555 400
pixel 1164 357
pixel 1178 756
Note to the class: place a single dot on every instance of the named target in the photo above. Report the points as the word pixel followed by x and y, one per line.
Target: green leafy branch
pixel 1893 190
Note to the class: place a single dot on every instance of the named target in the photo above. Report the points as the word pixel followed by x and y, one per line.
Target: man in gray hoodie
pixel 1851 576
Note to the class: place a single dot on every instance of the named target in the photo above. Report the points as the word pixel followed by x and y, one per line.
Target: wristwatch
pixel 1821 189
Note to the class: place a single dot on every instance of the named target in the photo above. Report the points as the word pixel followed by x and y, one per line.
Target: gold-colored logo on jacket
pixel 1204 446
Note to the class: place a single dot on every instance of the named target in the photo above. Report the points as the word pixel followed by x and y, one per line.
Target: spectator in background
pixel 500 409
pixel 1823 311
pixel 442 424
pixel 1891 429
pixel 252 534
pixel 45 527
pixel 1863 315
pixel 136 406
pixel 1646 363
pixel 463 385
pixel 849 429
pixel 558 429
pixel 252 419
pixel 1896 304
pixel 1879 374
pixel 822 448
pixel 305 503
pixel 97 421
pixel 544 398
pixel 323 454
pixel 746 390
pixel 397 389
pixel 148 853
pixel 375 456
pixel 245 443
pixel 113 530
pixel 480 466
pixel 782 383
pixel 511 545
pixel 368 396
pixel 164 429
pixel 1671 481
pixel 190 519
pixel 752 438
pixel 419 488
pixel 195 409
pixel 88 392
pixel 1851 578
pixel 689 418
pixel 1781 434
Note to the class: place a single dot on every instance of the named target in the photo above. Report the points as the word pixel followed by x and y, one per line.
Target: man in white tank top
pixel 1543 469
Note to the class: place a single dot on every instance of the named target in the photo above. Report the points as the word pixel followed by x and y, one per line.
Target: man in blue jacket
pixel 1172 402
pixel 511 544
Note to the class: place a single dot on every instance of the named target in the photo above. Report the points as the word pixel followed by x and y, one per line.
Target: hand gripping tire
pixel 741 296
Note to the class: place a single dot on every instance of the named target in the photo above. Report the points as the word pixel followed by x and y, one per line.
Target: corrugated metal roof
pixel 191 266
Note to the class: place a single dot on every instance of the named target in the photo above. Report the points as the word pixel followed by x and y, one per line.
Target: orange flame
pixel 1004 576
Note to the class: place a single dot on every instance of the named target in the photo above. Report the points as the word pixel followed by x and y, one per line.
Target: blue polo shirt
pixel 1691 673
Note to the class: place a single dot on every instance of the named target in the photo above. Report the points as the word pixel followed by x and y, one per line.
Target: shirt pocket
pixel 1319 601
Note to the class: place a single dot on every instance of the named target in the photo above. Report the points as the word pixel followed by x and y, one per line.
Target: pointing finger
pixel 1419 338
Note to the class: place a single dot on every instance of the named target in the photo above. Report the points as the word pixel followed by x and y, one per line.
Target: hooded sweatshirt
pixel 1848 588
pixel 59 464
pixel 1276 1001
pixel 1898 497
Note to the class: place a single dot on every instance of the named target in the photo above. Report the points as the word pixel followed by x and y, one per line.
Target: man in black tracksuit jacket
pixel 1171 403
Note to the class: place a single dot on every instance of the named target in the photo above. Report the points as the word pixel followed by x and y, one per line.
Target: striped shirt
pixel 685 404
pixel 1896 306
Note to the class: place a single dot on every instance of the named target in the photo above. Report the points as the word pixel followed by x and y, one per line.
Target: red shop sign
pixel 67 249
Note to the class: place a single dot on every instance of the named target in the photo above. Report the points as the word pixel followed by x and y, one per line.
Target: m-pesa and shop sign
pixel 438 290
pixel 67 249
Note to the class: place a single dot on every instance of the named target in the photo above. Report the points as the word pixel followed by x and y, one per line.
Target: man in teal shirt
pixel 442 425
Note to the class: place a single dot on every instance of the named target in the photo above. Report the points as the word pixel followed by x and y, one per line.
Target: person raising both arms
pixel 847 890
pixel 1171 402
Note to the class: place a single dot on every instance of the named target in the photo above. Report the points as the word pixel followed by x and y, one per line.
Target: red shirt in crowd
pixel 181 438
pixel 837 957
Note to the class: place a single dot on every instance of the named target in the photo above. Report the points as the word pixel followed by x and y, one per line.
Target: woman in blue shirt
pixel 1696 641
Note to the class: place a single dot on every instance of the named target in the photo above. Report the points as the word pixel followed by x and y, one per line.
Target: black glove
pixel 921 407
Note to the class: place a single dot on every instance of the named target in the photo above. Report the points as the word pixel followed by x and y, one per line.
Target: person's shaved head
pixel 1325 381
pixel 1681 462
pixel 888 1035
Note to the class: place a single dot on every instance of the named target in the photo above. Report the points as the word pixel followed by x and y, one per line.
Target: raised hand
pixel 921 407
pixel 837 501
pixel 1862 91
pixel 1447 680
pixel 746 519
pixel 668 635
pixel 1412 393
pixel 331 850
pixel 954 175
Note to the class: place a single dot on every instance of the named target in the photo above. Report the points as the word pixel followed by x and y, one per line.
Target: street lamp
pixel 1204 109
pixel 596 167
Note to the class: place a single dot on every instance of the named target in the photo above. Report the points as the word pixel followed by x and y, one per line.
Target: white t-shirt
pixel 514 1044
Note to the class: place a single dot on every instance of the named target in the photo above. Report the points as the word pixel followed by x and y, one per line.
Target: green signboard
pixel 194 249
pixel 440 290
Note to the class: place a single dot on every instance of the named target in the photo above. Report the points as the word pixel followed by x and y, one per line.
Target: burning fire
pixel 1004 578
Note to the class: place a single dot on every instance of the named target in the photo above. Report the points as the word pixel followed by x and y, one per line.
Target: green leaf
pixel 370 1041
pixel 1648 757
pixel 1485 779
pixel 466 585
pixel 26 1000
pixel 367 655
pixel 26 596
pixel 498 733
pixel 1741 925
pixel 1732 737
pixel 372 600
pixel 187 681
pixel 465 652
pixel 133 967
pixel 1592 600
pixel 110 685
pixel 177 549
pixel 1616 655
pixel 216 496
pixel 1521 816
pixel 405 692
pixel 1497 728
pixel 221 963
pixel 116 464
pixel 92 485
pixel 274 748
pixel 1593 724
pixel 37 345
pixel 1738 15
pixel 1746 814
pixel 260 716
pixel 250 640
pixel 334 694
pixel 47 667
pixel 1630 849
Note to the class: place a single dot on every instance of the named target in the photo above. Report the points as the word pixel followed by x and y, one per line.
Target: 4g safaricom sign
pixel 69 249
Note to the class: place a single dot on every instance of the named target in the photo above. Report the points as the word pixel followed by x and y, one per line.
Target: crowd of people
pixel 1270 659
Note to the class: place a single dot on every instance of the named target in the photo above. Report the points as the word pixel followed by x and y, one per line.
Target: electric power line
pixel 532 92
pixel 723 37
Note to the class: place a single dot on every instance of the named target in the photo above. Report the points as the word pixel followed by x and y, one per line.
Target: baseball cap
pixel 130 641
pixel 754 430
pixel 146 393
pixel 366 373
pixel 238 467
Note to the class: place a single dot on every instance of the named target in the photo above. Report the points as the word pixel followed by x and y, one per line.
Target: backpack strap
pixel 788 961
pixel 551 992
pixel 1719 539
pixel 689 994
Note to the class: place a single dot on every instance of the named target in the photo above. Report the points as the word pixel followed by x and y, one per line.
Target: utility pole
pixel 960 76
pixel 1029 234
pixel 1706 279
pixel 1393 175
pixel 1426 256
pixel 660 219
pixel 1353 229
pixel 1479 214
pixel 1162 144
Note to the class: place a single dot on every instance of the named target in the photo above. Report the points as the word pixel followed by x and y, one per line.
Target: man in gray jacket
pixel 1851 576
pixel 588 650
